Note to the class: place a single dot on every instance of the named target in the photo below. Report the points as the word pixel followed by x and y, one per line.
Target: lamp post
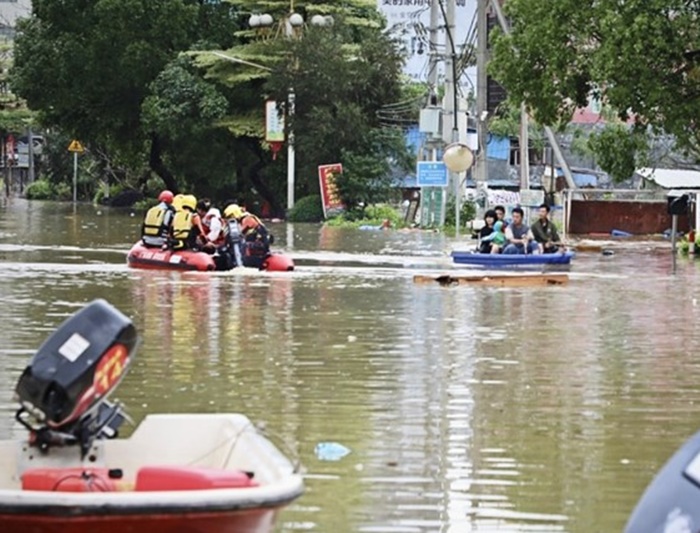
pixel 458 158
pixel 291 26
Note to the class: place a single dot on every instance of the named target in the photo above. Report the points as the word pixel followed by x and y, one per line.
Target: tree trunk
pixel 155 161
pixel 260 186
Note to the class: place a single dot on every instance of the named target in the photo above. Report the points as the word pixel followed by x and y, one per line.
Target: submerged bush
pixel 40 190
pixel 467 213
pixel 307 209
pixel 100 197
pixel 383 212
pixel 374 215
pixel 45 190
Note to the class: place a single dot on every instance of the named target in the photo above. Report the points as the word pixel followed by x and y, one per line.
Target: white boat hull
pixel 227 442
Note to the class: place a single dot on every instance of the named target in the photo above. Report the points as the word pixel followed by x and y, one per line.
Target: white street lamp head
pixel 266 20
pixel 296 20
pixel 254 21
pixel 322 20
pixel 458 157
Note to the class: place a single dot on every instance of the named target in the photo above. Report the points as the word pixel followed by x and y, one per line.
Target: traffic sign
pixel 75 146
pixel 431 174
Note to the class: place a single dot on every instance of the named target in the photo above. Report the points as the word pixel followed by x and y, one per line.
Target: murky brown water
pixel 465 409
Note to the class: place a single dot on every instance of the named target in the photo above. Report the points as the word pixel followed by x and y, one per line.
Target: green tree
pixel 341 76
pixel 640 57
pixel 619 150
pixel 178 114
pixel 88 66
pixel 110 73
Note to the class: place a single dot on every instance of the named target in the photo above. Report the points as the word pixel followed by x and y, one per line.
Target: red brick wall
pixel 638 218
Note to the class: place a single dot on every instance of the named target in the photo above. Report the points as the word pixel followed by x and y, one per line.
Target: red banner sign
pixel 9 150
pixel 327 176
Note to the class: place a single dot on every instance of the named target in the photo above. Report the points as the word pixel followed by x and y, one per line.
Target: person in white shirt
pixel 214 234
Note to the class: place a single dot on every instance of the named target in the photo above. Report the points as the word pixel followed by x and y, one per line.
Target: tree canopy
pixel 100 71
pixel 137 82
pixel 340 74
pixel 640 57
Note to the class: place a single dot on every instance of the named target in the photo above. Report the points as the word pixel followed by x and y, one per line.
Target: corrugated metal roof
pixel 668 178
pixel 584 180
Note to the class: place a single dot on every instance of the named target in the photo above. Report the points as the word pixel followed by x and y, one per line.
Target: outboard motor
pixel 671 503
pixel 234 239
pixel 63 391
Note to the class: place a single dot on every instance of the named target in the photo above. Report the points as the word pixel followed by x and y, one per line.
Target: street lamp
pixel 292 24
pixel 458 158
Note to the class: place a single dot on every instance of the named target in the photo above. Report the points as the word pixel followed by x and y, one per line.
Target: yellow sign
pixel 75 146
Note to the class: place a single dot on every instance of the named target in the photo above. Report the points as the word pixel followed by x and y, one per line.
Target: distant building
pixel 10 11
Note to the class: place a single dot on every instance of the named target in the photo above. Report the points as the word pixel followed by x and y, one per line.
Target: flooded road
pixel 465 408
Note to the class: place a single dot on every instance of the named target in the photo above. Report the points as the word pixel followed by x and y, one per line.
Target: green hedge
pixel 307 209
pixel 45 190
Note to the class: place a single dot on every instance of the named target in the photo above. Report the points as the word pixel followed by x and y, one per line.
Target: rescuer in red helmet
pixel 155 230
pixel 166 197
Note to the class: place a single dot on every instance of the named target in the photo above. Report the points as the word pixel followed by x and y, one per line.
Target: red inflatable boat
pixel 141 256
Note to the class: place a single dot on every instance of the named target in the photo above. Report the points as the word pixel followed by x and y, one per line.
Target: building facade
pixel 10 11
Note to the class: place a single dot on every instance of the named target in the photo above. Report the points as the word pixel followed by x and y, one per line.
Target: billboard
pixel 327 176
pixel 409 20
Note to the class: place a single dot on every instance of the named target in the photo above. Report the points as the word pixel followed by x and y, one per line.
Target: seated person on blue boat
pixel 157 223
pixel 496 239
pixel 545 232
pixel 501 215
pixel 519 237
pixel 489 220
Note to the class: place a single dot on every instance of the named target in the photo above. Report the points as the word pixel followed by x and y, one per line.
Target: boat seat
pixel 152 478
pixel 74 479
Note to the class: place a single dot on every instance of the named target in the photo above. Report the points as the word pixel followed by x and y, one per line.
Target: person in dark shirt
pixel 489 220
pixel 545 232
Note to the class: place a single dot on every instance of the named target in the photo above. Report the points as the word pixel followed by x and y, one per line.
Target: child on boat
pixel 497 238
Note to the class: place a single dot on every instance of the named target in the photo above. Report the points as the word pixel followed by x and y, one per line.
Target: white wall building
pixel 10 11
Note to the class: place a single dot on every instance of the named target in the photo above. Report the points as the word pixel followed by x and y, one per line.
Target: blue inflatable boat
pixel 499 260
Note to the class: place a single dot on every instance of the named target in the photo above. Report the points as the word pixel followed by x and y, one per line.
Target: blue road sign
pixel 431 174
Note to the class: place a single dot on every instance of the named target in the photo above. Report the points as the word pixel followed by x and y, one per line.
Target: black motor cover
pixel 671 503
pixel 56 386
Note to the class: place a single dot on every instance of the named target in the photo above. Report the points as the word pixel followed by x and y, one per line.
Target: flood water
pixel 464 408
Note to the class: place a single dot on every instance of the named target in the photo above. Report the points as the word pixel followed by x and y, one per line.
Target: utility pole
pixel 433 65
pixel 451 70
pixel 433 51
pixel 30 155
pixel 450 100
pixel 428 194
pixel 524 149
pixel 480 167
